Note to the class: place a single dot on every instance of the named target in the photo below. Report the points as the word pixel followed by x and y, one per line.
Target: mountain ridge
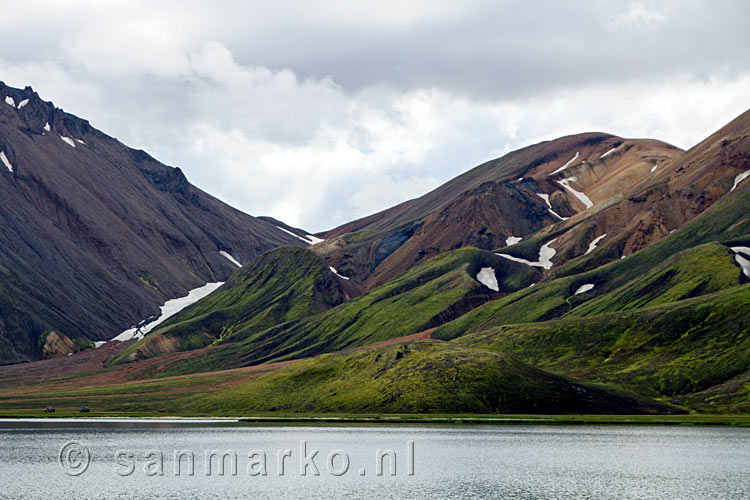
pixel 79 261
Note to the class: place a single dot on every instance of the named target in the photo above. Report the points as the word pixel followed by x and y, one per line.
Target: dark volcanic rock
pixel 94 235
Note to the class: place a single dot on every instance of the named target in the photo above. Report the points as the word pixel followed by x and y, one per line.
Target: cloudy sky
pixel 318 112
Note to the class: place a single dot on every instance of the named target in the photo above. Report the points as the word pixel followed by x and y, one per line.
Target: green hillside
pixel 423 377
pixel 436 292
pixel 283 284
pixel 667 351
pixel 693 261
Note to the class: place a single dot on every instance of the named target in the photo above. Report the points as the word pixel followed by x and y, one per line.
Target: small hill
pixel 422 377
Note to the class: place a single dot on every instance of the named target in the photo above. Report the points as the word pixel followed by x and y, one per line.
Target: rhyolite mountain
pixel 95 236
pixel 498 203
pixel 586 192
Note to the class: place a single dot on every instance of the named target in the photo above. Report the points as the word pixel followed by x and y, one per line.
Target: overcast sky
pixel 320 112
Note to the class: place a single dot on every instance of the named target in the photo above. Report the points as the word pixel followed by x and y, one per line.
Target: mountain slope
pixel 693 261
pixel 94 236
pixel 283 284
pixel 663 201
pixel 431 294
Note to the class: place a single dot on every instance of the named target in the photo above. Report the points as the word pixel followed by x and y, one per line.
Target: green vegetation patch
pixel 422 377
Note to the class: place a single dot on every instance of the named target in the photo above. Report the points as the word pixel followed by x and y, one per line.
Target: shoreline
pixel 15 421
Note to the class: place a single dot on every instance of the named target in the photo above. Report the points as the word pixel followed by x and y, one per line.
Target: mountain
pixel 445 292
pixel 578 193
pixel 95 236
pixel 496 204
pixel 681 214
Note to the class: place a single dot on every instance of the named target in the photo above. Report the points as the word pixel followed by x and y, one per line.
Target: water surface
pixel 507 462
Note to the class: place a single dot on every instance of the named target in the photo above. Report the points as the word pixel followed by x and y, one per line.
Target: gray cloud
pixel 316 113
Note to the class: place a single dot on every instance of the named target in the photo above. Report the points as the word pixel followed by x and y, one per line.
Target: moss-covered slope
pixel 442 289
pixel 423 377
pixel 284 284
pixel 671 351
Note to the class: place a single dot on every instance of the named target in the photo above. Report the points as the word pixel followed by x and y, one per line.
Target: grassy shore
pixel 332 419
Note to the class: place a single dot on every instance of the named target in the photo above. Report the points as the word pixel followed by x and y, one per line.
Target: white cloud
pixel 300 145
pixel 638 15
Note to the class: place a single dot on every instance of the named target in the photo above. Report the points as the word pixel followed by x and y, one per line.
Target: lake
pixel 140 461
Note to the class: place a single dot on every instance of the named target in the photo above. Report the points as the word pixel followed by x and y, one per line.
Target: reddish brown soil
pixel 88 369
pixel 423 335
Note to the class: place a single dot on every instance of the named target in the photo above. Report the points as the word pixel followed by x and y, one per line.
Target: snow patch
pixel 169 309
pixel 98 344
pixel 744 264
pixel 581 196
pixel 567 164
pixel 230 258
pixel 9 101
pixel 545 255
pixel 740 177
pixel 47 127
pixel 23 103
pixel 545 197
pixel 486 276
pixel 512 240
pixel 68 140
pixel 309 239
pixel 653 169
pixel 584 288
pixel 741 260
pixel 5 161
pixel 608 153
pixel 314 239
pixel 333 270
pixel 79 141
pixel 592 245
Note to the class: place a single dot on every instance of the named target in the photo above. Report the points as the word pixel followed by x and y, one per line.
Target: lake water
pixel 507 462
